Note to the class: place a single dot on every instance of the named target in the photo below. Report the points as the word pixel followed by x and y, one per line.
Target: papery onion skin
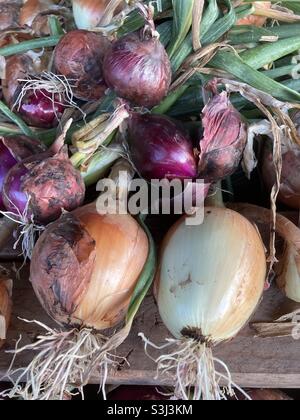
pixel 79 57
pixel 210 277
pixel 17 68
pixel 159 148
pixel 289 193
pixel 85 267
pixel 138 69
pixel 13 150
pixel 9 14
pixel 224 139
pixel 42 110
pixel 5 306
pixel 52 184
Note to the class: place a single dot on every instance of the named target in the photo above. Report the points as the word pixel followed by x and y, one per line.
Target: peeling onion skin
pixel 17 67
pixel 202 290
pixel 79 57
pixel 253 19
pixel 289 193
pixel 224 140
pixel 13 150
pixel 160 149
pixel 138 69
pixel 52 184
pixel 85 267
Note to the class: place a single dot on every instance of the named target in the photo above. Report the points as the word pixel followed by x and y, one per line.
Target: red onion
pixel 78 57
pixel 160 148
pixel 14 150
pixel 289 193
pixel 41 187
pixel 41 109
pixel 224 139
pixel 138 68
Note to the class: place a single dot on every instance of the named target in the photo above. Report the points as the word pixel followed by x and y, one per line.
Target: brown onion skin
pixel 22 147
pixel 79 56
pixel 289 193
pixel 17 67
pixel 138 69
pixel 66 267
pixel 54 184
pixel 9 15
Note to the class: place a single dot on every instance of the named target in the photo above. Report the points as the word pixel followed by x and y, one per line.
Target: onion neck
pixel 216 199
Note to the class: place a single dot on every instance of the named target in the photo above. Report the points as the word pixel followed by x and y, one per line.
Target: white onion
pixel 209 282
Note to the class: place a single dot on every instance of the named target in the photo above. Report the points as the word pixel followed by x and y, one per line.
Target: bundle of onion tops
pixel 90 272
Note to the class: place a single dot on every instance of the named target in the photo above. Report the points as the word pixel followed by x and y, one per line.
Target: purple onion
pixel 14 150
pixel 160 148
pixel 138 68
pixel 43 185
pixel 40 109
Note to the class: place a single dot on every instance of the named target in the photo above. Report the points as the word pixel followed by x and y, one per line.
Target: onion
pixel 209 282
pixel 89 13
pixel 136 393
pixel 84 271
pixel 5 305
pixel 78 57
pixel 31 9
pixel 9 14
pixel 40 187
pixel 289 193
pixel 224 140
pixel 42 109
pixel 253 19
pixel 138 68
pixel 14 150
pixel 159 148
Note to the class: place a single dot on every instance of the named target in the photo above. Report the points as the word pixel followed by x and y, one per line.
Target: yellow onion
pixel 5 306
pixel 86 265
pixel 90 272
pixel 88 13
pixel 209 282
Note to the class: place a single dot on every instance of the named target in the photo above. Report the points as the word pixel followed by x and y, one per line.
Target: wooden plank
pixel 254 362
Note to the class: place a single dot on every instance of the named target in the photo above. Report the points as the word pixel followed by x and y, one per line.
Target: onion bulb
pixel 209 282
pixel 13 150
pixel 224 139
pixel 9 14
pixel 138 68
pixel 40 187
pixel 289 193
pixel 84 271
pixel 5 305
pixel 159 148
pixel 79 57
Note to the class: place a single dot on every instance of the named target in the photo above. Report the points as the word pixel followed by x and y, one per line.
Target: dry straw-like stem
pixel 194 367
